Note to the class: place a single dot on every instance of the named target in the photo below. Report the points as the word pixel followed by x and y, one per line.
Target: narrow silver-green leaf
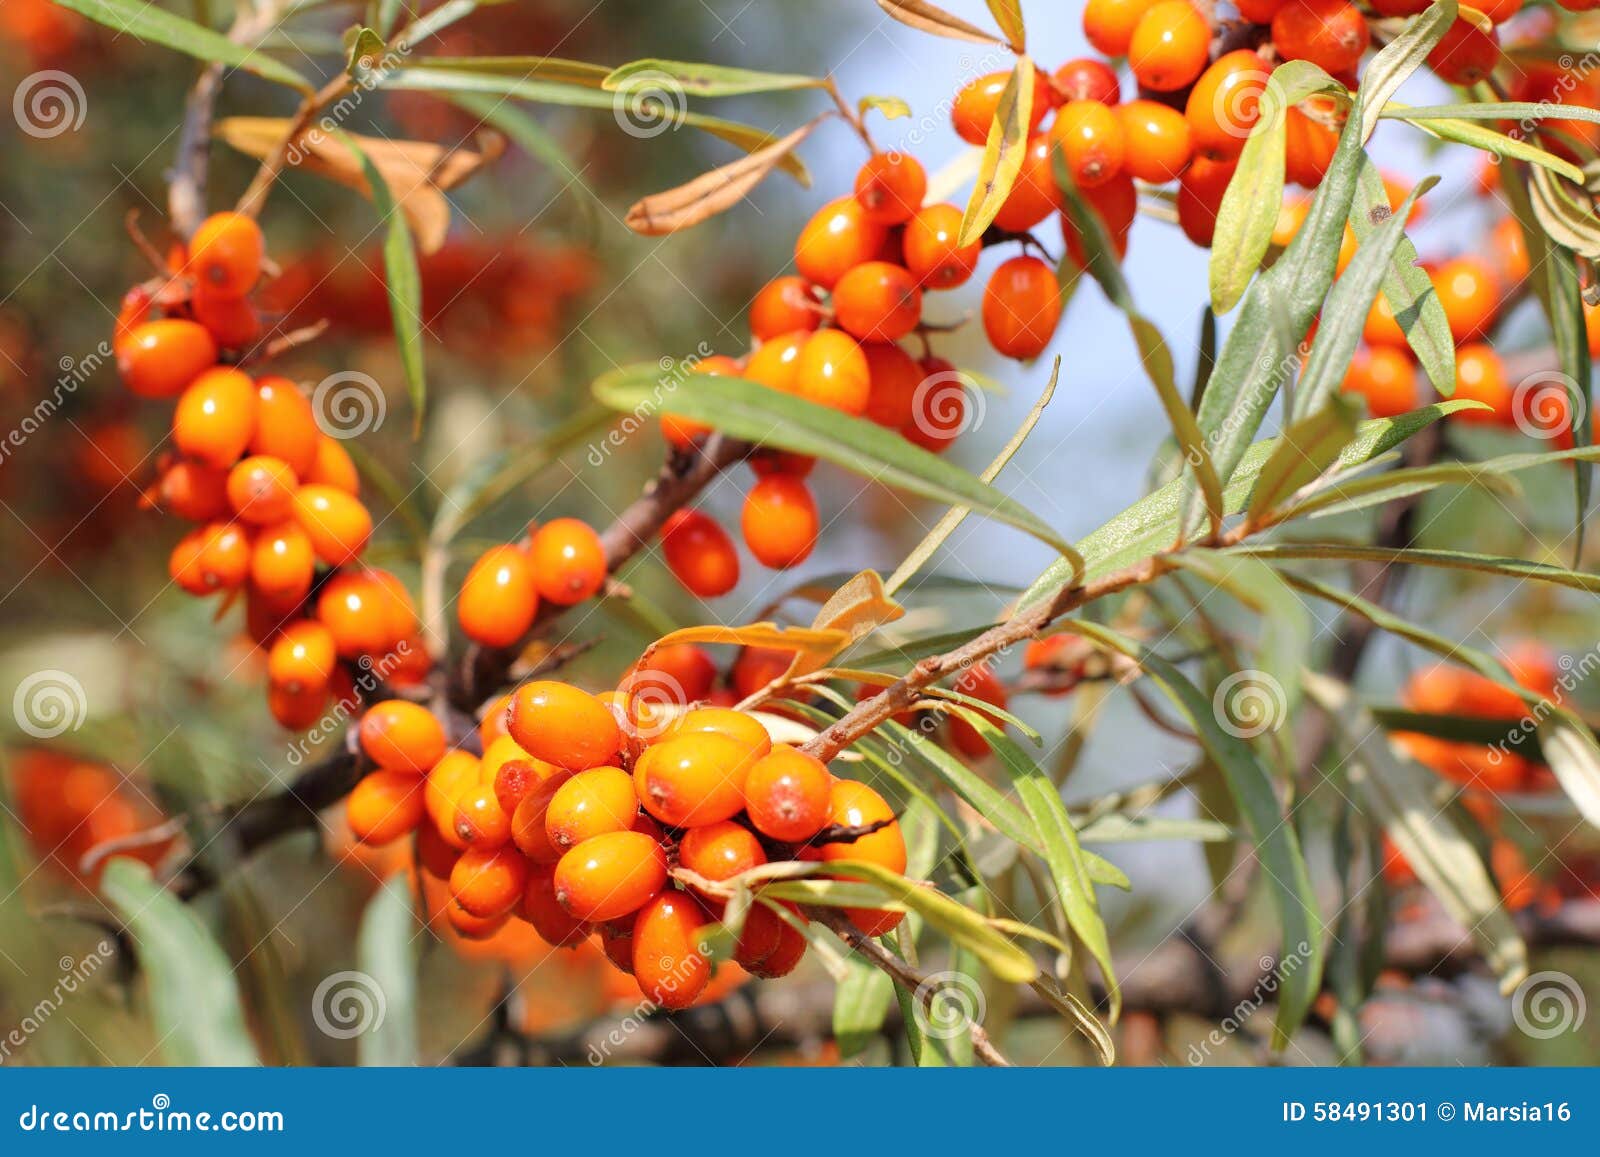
pixel 148 22
pixel 1003 152
pixel 707 80
pixel 1305 450
pixel 387 953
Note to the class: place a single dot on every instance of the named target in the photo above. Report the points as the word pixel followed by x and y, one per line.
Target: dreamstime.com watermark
pixel 372 675
pixel 947 1005
pixel 74 372
pixel 648 104
pixel 348 404
pixel 49 103
pixel 75 973
pixel 1547 1004
pixel 348 1004
pixel 682 972
pixel 159 1117
pixel 1273 976
pixel 674 372
pixel 49 703
pixel 1249 703
pixel 369 74
pixel 1573 672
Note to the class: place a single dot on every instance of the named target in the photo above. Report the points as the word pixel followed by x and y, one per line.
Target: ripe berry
pixel 282 563
pixel 402 736
pixel 1381 326
pixel 333 467
pixel 1465 54
pixel 384 806
pixel 337 524
pixel 351 606
pixel 1468 291
pixel 610 876
pixel 855 805
pixel 193 491
pixel 554 924
pixel 1259 11
pixel 1200 191
pixel 232 321
pixel 1225 103
pixel 720 851
pixel 938 406
pixel 876 301
pixel 1109 24
pixel 450 778
pixel 436 856
pixel 1170 46
pixel 528 822
pixel 977 682
pixel 932 252
pixel 498 598
pixel 668 961
pixel 1158 140
pixel 226 253
pixel 477 819
pixel 831 370
pixel 785 957
pixel 474 928
pixel 261 489
pixel 755 668
pixel 690 780
pixel 1088 79
pixel 779 521
pixel 159 359
pixel 1481 377
pixel 836 240
pixel 562 725
pixel 784 305
pixel 684 667
pixel 1021 307
pixel 296 710
pixel 976 102
pixel 774 362
pixel 895 378
pixel 1310 142
pixel 700 554
pixel 1090 137
pixel 216 557
pixel 514 780
pixel 890 187
pixel 743 729
pixel 1034 196
pixel 569 562
pixel 302 657
pixel 590 804
pixel 215 417
pixel 1329 33
pixel 1510 247
pixel 1386 378
pixel 786 795
pixel 487 882
pixel 286 426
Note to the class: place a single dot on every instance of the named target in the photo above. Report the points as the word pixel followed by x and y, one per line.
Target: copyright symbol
pixel 1447 1111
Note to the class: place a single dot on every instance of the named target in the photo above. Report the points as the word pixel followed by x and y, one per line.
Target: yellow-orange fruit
pixel 286 426
pixel 402 736
pixel 591 804
pixel 853 804
pixel 720 851
pixel 451 777
pixel 563 725
pixel 158 359
pixel 554 924
pixel 261 489
pixel 337 524
pixel 569 562
pixel 302 656
pixel 282 563
pixel 384 806
pixel 487 882
pixel 693 779
pixel 610 876
pixel 333 467
pixel 668 961
pixel 787 795
pixel 498 597
pixel 478 820
pixel 215 417
pixel 226 253
pixel 528 828
pixel 743 729
pixel 841 236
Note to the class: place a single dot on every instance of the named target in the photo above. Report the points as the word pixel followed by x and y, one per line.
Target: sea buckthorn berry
pixel 895 378
pixel 756 667
pixel 474 928
pixel 616 941
pixel 1310 141
pixel 700 554
pixel 1021 307
pixel 487 882
pixel 563 725
pixel 261 489
pixel 977 101
pixel 399 612
pixel 689 672
pixel 451 777
pixel 478 820
pixel 939 407
pixel 183 564
pixel 554 924
pixel 1259 11
pixel 513 780
pixel 1481 377
pixel 689 780
pixel 1057 657
pixel 302 656
pixel 569 562
pixel 836 240
pixel 402 736
pixel 286 426
pixel 855 805
pixel 498 598
pixel 1468 291
pixel 1200 191
pixel 832 371
pixel 890 187
pixel 933 253
pixel 786 795
pixel 1116 203
pixel 681 432
pixel 225 254
pixel 215 417
pixel 336 522
pixel 225 556
pixel 281 561
pixel 610 876
pixel 743 729
pixel 1157 140
pixel 1225 103
pixel 1170 46
pixel 780 521
pixel 1091 141
pixel 333 467
pixel 436 856
pixel 350 605
pixel 1034 196
pixel 591 804
pixel 528 829
pixel 193 491
pixel 159 359
pixel 232 321
pixel 775 362
pixel 1329 33
pixel 876 301
pixel 492 721
pixel 786 957
pixel 1381 326
pixel 784 305
pixel 1510 247
pixel 296 710
pixel 759 938
pixel 1386 378
pixel 977 682
pixel 1108 24
pixel 1088 79
pixel 1465 54
pixel 668 960
pixel 720 851
pixel 384 806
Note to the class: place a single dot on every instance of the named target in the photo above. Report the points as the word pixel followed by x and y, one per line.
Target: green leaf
pixel 1003 152
pixel 1491 110
pixel 387 952
pixel 1443 559
pixel 366 48
pixel 704 79
pixel 547 69
pixel 1570 750
pixel 1400 794
pixel 194 1000
pixel 752 412
pixel 1458 127
pixel 1304 451
pixel 147 22
pixel 860 1006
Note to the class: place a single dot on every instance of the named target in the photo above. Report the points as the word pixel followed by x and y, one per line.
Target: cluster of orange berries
pixel 274 496
pixel 69 806
pixel 585 814
pixel 562 563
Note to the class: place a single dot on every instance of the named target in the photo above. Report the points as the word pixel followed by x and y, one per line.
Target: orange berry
pixel 1386 378
pixel 1200 191
pixel 774 363
pixel 193 491
pixel 498 598
pixel 286 426
pixel 784 305
pixel 852 804
pixel 668 961
pixel 474 928
pixel 756 667
pixel 895 378
pixel 261 489
pixel 1225 102
pixel 890 187
pixel 492 720
pixel 1259 11
pixel 281 562
pixel 488 881
pixel 224 557
pixel 569 562
pixel 700 554
pixel 1088 79
pixel 1310 142
pixel 554 924
pixel 402 736
pixel 514 780
pixel 1329 33
pixel 528 822
pixel 1170 46
pixel 1465 54
pixel 720 851
pixel 939 407
pixel 434 853
pixel 1481 377
pixel 1381 327
pixel 836 240
pixel 1091 140
pixel 689 672
pixel 1108 24
pixel 296 710
pixel 786 957
pixel 232 321
pixel 832 371
pixel 743 729
pixel 786 795
pixel 1021 307
pixel 336 522
pixel 1467 289
pixel 477 819
pixel 158 359
pixel 590 804
pixel 616 941
pixel 302 657
pixel 350 606
pixel 975 104
pixel 694 779
pixel 682 433
pixel 225 254
pixel 780 521
pixel 384 806
pixel 560 724
pixel 450 778
pixel 1510 248
pixel 933 254
pixel 1034 196
pixel 1116 203
pixel 333 467
pixel 1157 139
pixel 610 876
pixel 215 417
pixel 875 300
